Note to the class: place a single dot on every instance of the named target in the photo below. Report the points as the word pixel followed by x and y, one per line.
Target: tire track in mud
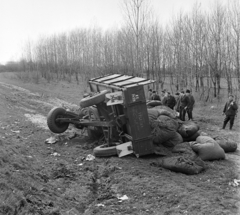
pixel 34 105
pixel 93 177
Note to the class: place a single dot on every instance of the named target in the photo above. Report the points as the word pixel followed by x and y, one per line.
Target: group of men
pixel 182 102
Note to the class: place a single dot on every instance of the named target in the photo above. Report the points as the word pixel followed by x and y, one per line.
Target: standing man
pixel 149 94
pixel 155 96
pixel 230 111
pixel 184 103
pixel 171 101
pixel 191 104
pixel 164 98
pixel 177 98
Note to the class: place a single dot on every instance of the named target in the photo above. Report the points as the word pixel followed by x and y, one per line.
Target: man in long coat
pixel 184 104
pixel 191 104
pixel 230 111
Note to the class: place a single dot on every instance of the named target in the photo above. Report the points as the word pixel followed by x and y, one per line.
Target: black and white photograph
pixel 119 107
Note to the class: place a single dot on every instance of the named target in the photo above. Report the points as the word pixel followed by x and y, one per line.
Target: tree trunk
pixel 215 89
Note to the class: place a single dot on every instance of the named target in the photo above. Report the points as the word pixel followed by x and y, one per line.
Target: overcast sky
pixel 23 20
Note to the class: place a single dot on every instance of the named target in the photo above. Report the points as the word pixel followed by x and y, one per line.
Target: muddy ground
pixel 40 178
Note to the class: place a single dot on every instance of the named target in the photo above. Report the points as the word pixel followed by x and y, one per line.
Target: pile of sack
pixel 185 146
pixel 168 130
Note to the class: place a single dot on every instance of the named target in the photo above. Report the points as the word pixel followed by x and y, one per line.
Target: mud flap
pixel 137 120
pixel 124 149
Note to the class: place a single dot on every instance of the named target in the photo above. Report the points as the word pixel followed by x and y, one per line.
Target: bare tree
pixel 214 48
pixel 234 17
pixel 137 13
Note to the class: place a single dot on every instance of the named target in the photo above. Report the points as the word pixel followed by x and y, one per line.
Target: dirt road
pixel 40 178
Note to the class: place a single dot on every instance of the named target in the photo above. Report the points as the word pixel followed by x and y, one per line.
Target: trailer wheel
pixel 56 127
pixel 104 151
pixel 90 101
pixel 94 132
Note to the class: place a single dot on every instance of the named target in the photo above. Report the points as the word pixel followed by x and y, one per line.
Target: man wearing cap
pixel 191 104
pixel 230 111
pixel 155 96
pixel 184 103
pixel 177 98
pixel 171 101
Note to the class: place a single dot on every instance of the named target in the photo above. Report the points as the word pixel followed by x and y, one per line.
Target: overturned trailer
pixel 117 109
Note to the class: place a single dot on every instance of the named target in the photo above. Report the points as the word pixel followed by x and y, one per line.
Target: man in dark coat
pixel 184 103
pixel 230 111
pixel 155 96
pixel 171 101
pixel 191 104
pixel 177 97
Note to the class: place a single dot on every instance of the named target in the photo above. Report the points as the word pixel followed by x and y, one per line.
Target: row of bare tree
pixel 195 50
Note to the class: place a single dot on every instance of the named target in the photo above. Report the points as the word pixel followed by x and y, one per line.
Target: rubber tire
pixel 103 151
pixel 57 128
pixel 94 134
pixel 90 101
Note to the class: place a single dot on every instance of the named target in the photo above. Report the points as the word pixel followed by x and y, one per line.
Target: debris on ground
pixel 55 154
pixel 122 198
pixel 235 183
pixel 51 140
pixel 15 131
pixel 90 157
pixel 100 205
pixel 62 137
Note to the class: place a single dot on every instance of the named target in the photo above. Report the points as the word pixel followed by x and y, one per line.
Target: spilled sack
pixel 152 114
pixel 186 165
pixel 167 122
pixel 164 110
pixel 164 131
pixel 208 149
pixel 174 140
pixel 184 148
pixel 154 103
pixel 187 129
pixel 192 137
pixel 226 144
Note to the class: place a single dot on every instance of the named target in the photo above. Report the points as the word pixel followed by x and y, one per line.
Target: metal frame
pixel 119 116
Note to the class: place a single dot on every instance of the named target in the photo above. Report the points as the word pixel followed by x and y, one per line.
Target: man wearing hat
pixel 171 101
pixel 191 104
pixel 230 111
pixel 155 96
pixel 184 103
pixel 177 98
